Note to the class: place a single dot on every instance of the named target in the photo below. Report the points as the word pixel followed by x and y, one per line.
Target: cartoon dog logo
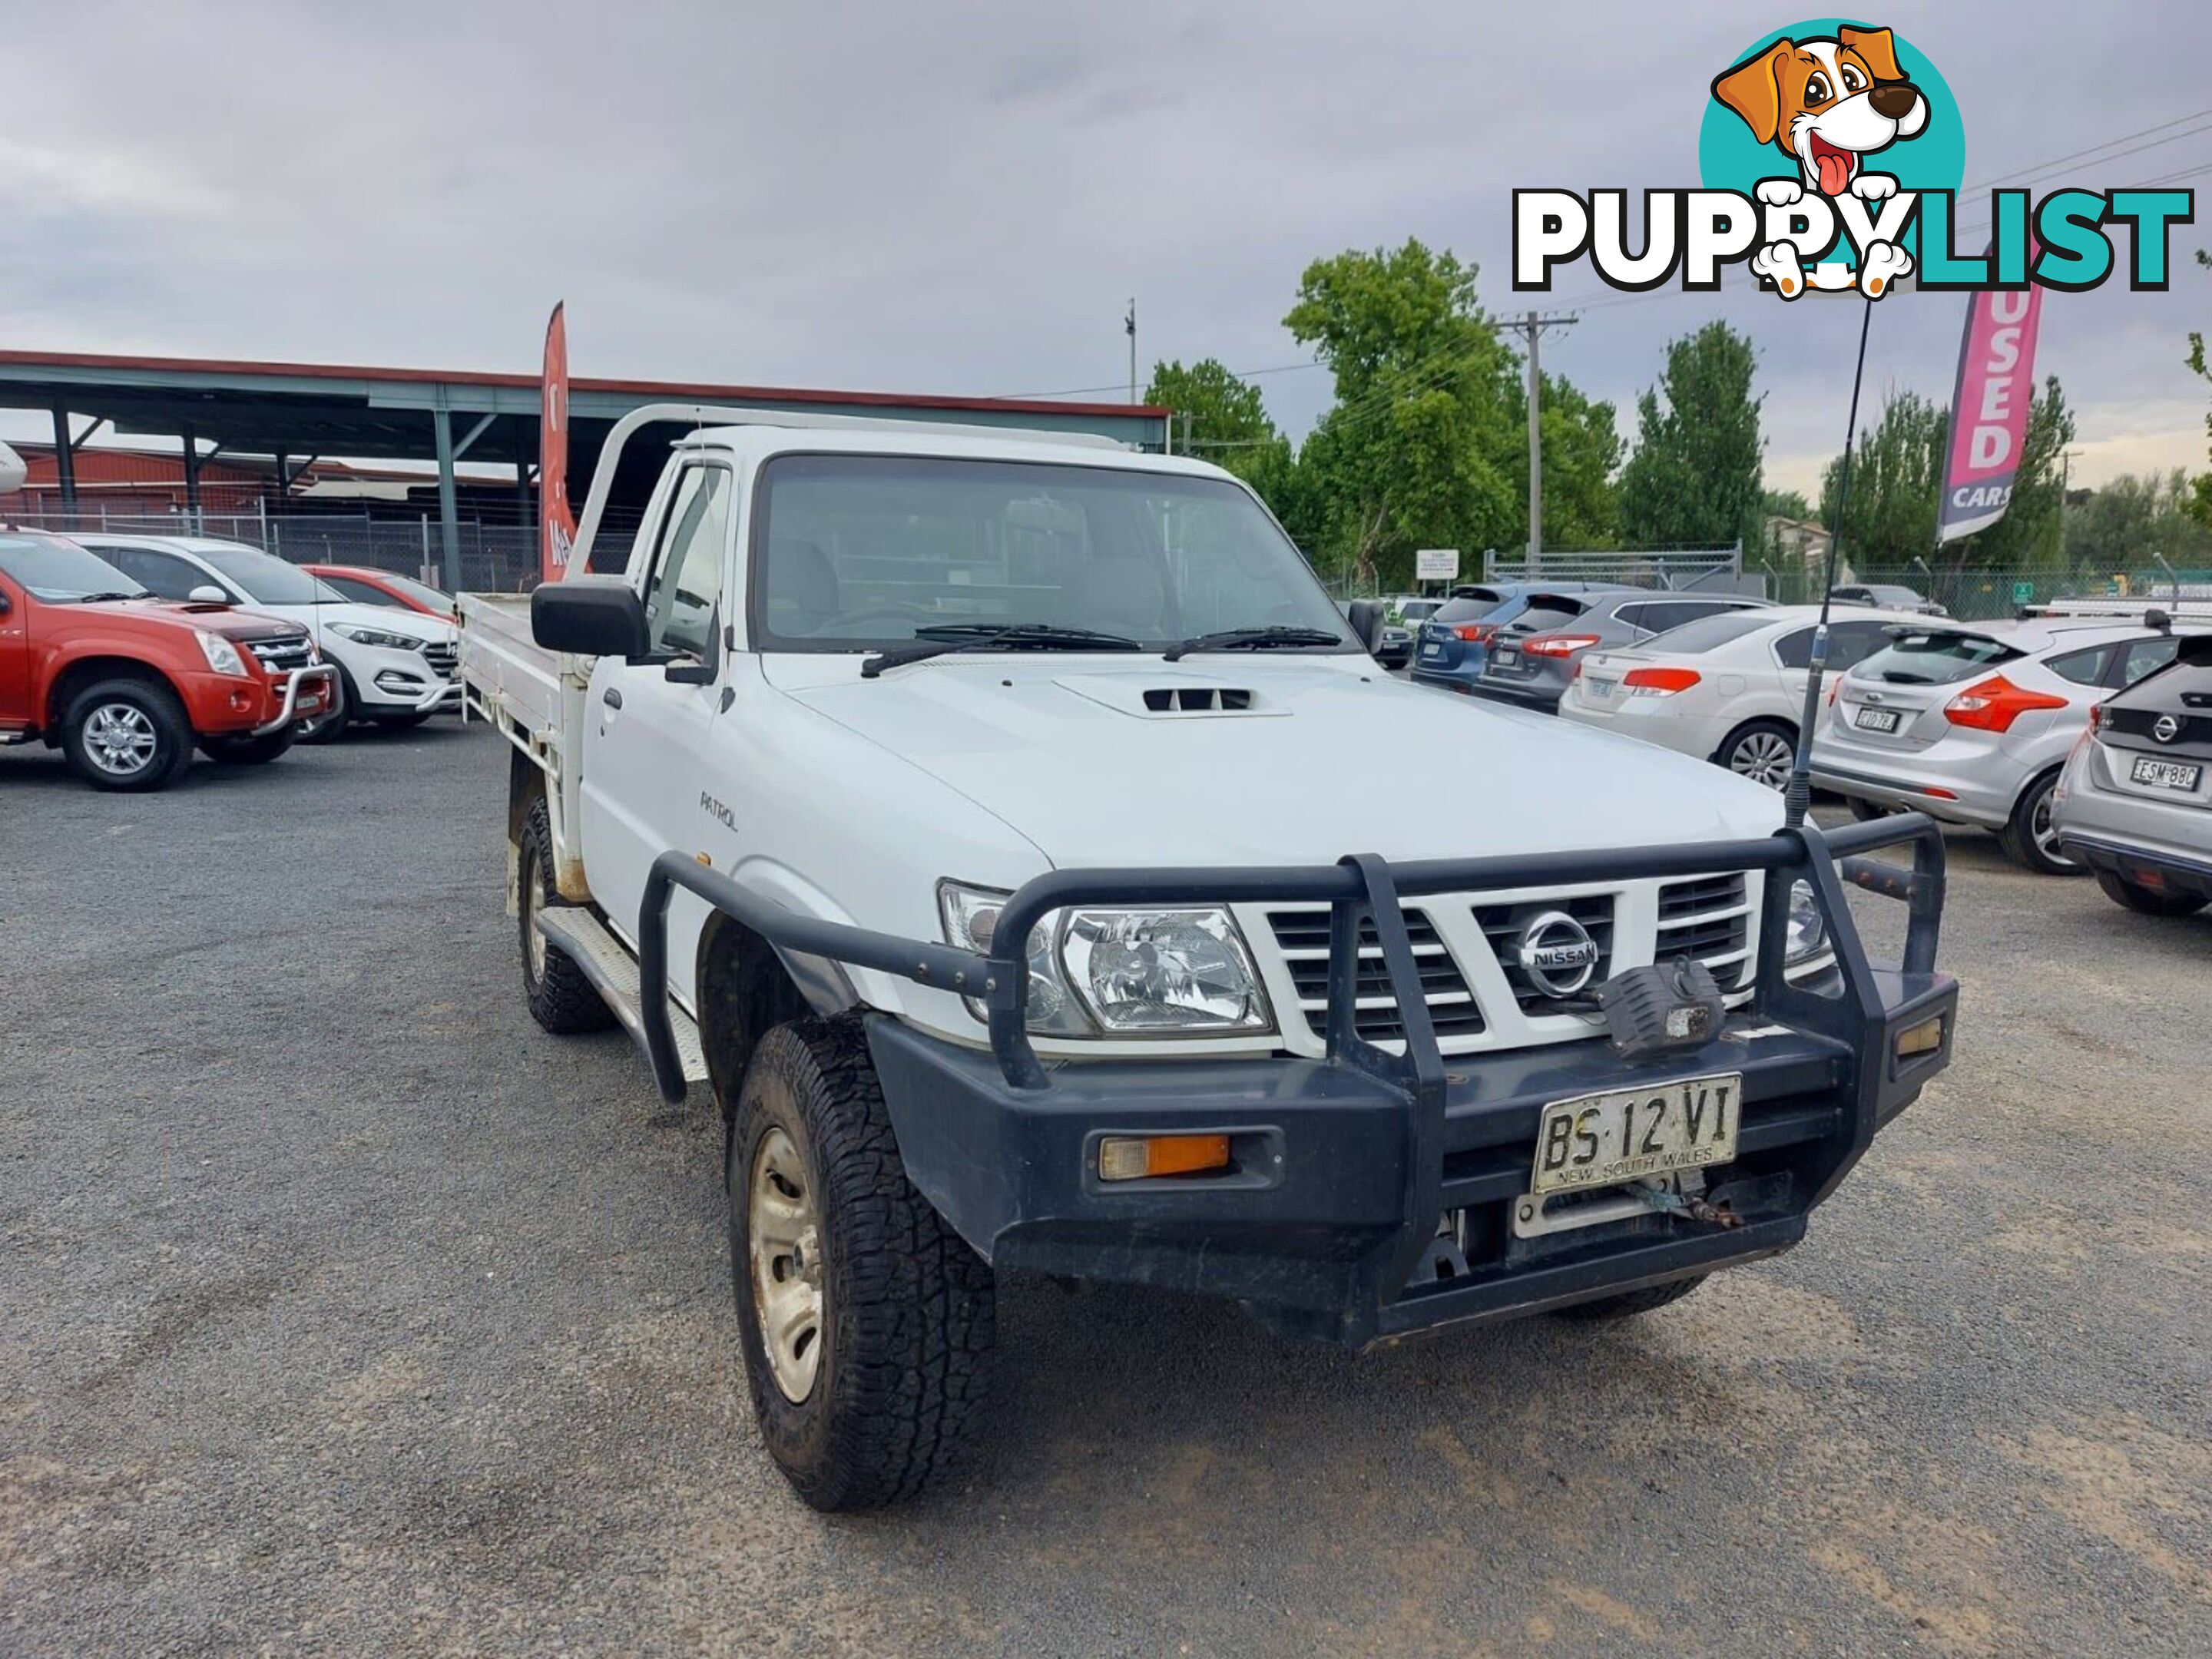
pixel 1827 102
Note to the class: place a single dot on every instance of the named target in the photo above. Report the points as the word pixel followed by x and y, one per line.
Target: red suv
pixel 126 685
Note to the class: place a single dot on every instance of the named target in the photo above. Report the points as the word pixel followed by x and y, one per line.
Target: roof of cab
pixel 928 439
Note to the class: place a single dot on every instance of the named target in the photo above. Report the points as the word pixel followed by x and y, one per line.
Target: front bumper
pixel 1345 1169
pixel 390 682
pixel 231 705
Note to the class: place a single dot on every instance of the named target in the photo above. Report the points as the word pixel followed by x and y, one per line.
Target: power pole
pixel 1531 329
pixel 1129 323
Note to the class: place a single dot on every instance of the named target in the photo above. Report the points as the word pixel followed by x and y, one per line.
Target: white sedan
pixel 1728 688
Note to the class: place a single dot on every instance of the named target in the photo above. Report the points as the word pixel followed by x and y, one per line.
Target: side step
pixel 607 962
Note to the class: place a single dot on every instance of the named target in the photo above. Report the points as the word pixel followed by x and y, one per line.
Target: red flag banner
pixel 556 524
pixel 1989 411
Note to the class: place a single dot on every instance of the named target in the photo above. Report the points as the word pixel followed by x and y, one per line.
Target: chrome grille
pixel 1501 925
pixel 1303 937
pixel 1708 918
pixel 281 655
pixel 442 656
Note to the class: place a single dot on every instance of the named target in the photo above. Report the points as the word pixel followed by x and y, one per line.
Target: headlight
pixel 1164 970
pixel 375 636
pixel 221 655
pixel 1122 973
pixel 1808 928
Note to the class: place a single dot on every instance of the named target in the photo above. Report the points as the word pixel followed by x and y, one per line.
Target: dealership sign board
pixel 1831 154
pixel 1435 564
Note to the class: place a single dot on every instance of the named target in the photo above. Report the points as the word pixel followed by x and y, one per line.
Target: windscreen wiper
pixel 96 598
pixel 936 639
pixel 1251 638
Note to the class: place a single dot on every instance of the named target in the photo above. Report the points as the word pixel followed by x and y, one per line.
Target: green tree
pixel 1694 478
pixel 1785 504
pixel 1414 452
pixel 1897 474
pixel 2120 527
pixel 2200 505
pixel 1220 418
pixel 1897 471
pixel 1583 452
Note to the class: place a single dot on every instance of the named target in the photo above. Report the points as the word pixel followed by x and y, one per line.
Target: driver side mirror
pixel 1366 617
pixel 207 594
pixel 590 615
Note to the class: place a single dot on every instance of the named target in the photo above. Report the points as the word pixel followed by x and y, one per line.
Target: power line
pixel 2061 161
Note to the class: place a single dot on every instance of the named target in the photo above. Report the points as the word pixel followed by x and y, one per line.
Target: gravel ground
pixel 342 1309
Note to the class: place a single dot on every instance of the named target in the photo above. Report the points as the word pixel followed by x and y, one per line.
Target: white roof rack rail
pixel 2181 610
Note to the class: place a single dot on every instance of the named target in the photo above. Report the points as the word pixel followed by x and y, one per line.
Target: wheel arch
pixel 746 987
pixel 86 670
pixel 1784 721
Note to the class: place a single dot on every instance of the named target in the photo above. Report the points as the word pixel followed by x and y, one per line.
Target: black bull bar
pixel 1856 1022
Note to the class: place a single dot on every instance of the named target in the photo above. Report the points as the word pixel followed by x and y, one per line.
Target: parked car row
pixel 1972 723
pixel 1521 642
pixel 1996 725
pixel 127 653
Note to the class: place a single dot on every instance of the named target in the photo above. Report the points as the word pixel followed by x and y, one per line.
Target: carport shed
pixel 297 413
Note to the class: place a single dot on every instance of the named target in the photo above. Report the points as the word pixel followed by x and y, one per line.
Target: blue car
pixel 1454 646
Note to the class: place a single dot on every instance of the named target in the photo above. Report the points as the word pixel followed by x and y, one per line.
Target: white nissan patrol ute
pixel 984 815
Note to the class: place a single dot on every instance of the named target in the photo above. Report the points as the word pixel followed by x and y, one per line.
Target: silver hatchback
pixel 1970 722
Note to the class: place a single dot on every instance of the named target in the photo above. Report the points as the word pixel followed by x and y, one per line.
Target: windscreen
pixel 858 552
pixel 55 572
pixel 268 579
pixel 1707 632
pixel 1931 658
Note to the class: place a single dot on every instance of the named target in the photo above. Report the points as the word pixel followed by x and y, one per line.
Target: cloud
pixel 909 199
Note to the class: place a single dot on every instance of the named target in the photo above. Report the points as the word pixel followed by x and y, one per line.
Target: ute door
pixel 646 735
pixel 15 657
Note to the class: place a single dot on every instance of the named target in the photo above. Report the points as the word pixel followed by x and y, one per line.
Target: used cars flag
pixel 556 524
pixel 1989 411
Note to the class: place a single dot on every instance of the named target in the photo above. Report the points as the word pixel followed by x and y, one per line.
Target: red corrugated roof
pixel 652 390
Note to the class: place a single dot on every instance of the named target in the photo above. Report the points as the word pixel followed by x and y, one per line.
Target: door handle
pixel 611 697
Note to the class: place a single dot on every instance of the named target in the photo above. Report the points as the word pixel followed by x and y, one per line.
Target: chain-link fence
pixel 1972 595
pixel 500 558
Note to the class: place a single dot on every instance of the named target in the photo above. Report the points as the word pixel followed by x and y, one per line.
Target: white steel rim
pixel 119 739
pixel 783 1242
pixel 1762 757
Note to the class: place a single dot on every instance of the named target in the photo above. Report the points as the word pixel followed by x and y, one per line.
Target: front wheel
pixel 2148 901
pixel 329 726
pixel 2031 840
pixel 866 1322
pixel 127 734
pixel 249 750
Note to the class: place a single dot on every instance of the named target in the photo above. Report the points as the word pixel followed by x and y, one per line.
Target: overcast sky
pixel 926 198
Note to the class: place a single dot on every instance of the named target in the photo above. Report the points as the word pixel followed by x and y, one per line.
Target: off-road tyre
pixel 149 705
pixel 2148 901
pixel 561 999
pixel 330 724
pixel 1629 1304
pixel 906 1321
pixel 248 751
pixel 2019 838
